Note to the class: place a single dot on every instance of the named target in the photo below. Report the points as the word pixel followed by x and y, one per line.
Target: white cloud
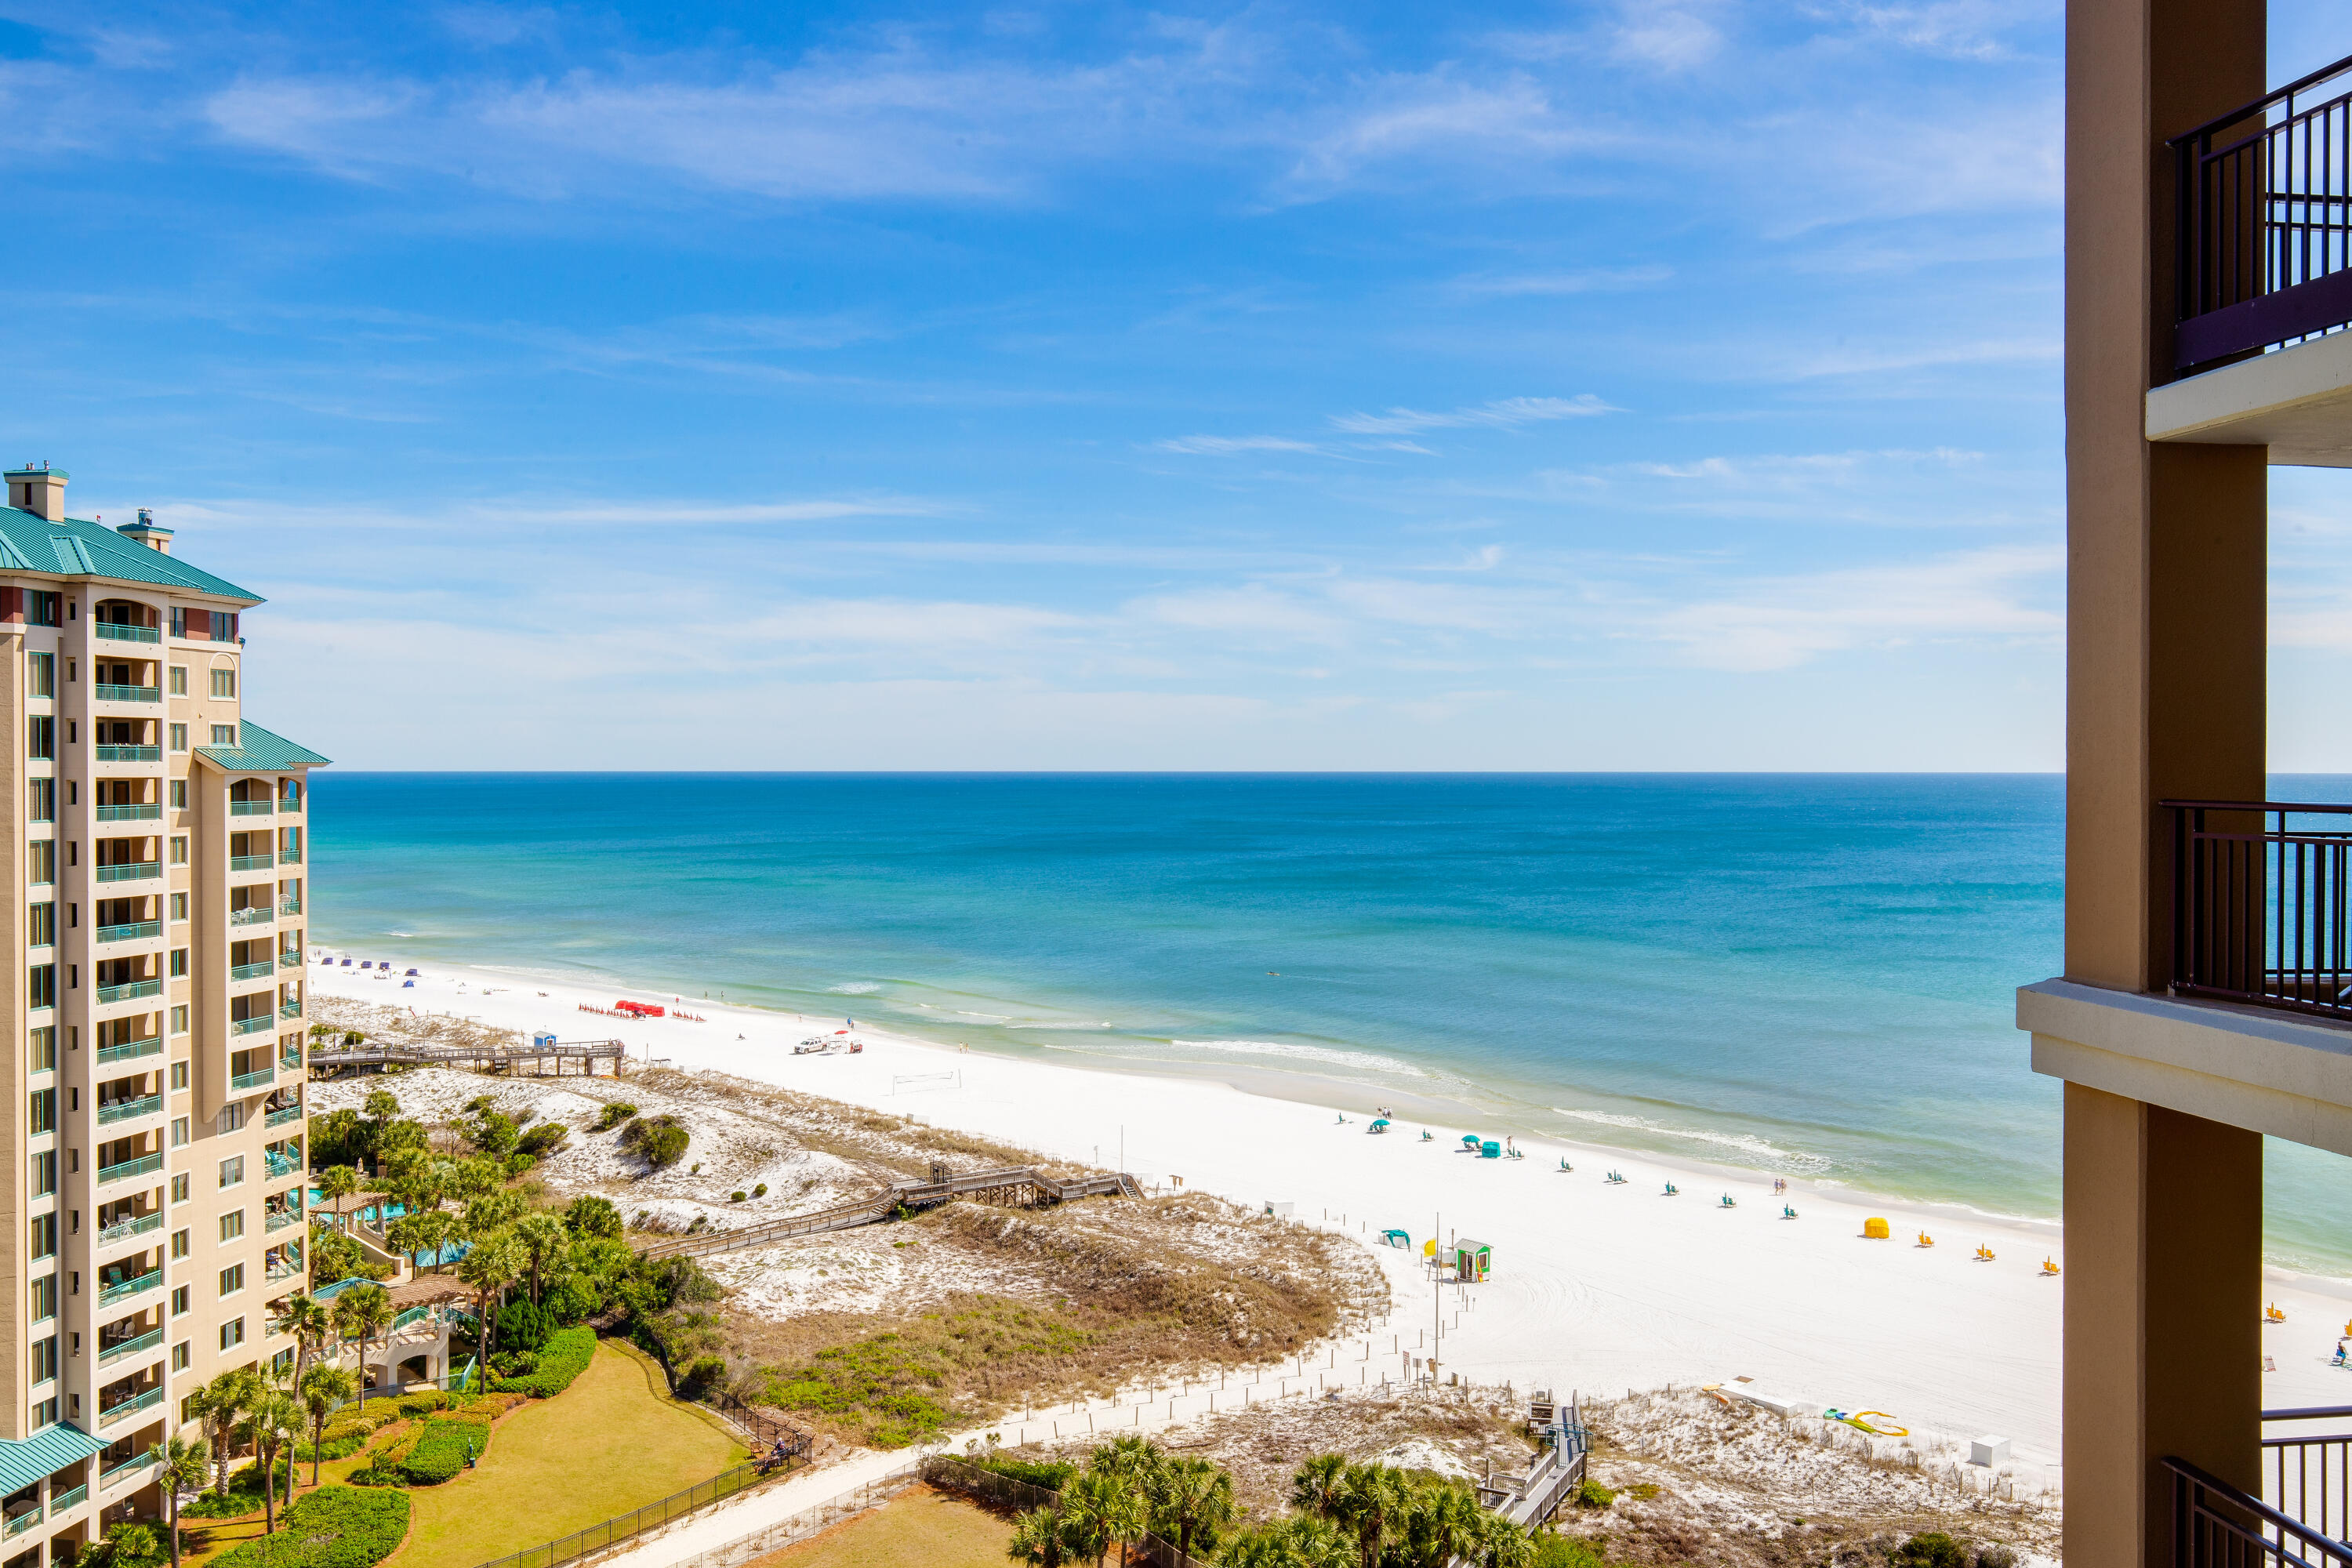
pixel 1220 445
pixel 1504 413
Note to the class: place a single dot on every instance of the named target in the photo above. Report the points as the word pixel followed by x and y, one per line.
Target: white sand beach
pixel 1597 1287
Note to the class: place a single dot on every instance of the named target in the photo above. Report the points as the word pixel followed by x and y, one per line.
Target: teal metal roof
pixel 259 752
pixel 73 548
pixel 50 1449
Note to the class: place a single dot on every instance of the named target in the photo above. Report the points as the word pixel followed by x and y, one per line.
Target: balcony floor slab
pixel 2296 401
pixel 2272 1073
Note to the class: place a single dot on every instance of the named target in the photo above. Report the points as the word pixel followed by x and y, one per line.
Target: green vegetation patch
pixel 442 1450
pixel 891 1388
pixel 334 1527
pixel 565 1355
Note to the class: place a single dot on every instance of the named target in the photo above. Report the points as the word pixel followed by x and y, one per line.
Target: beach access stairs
pixel 1006 1184
pixel 1530 1501
pixel 492 1056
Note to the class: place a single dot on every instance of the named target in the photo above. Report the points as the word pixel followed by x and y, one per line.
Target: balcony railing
pixel 289 906
pixel 290 961
pixel 124 1229
pixel 123 1291
pixel 278 1219
pixel 130 871
pixel 290 857
pixel 75 1498
pixel 139 1166
pixel 135 930
pixel 130 754
pixel 251 1025
pixel 2262 904
pixel 115 631
pixel 255 1078
pixel 251 971
pixel 130 991
pixel 280 1118
pixel 277 1165
pixel 134 812
pixel 130 1050
pixel 20 1522
pixel 2265 240
pixel 281 1269
pixel 290 1009
pixel 125 1110
pixel 116 1352
pixel 250 862
pixel 125 1470
pixel 249 807
pixel 105 692
pixel 292 807
pixel 253 915
pixel 131 1407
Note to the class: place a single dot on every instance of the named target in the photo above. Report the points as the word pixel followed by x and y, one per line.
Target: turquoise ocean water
pixel 1811 975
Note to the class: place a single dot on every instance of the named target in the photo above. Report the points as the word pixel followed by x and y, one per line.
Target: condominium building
pixel 2207 999
pixel 151 1153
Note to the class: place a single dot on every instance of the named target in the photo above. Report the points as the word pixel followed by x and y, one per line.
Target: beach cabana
pixel 1472 1259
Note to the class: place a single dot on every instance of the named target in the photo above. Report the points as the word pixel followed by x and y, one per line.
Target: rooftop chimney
pixel 146 531
pixel 41 491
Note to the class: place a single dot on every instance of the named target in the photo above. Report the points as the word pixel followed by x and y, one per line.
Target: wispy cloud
pixel 1505 414
pixel 1220 445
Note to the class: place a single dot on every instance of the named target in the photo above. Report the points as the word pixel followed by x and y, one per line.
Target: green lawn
pixel 917 1529
pixel 614 1441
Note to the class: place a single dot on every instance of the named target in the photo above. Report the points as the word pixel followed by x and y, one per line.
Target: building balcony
pixel 129 991
pixel 114 631
pixel 290 960
pixel 250 807
pixel 290 1009
pixel 255 1079
pixel 130 1050
pixel 251 1025
pixel 109 1480
pixel 109 1354
pixel 289 906
pixel 292 807
pixel 138 1165
pixel 130 754
pixel 70 1499
pixel 251 863
pixel 283 1269
pixel 124 1229
pixel 20 1522
pixel 251 971
pixel 124 1290
pixel 136 931
pixel 104 692
pixel 284 1117
pixel 277 1165
pixel 130 1110
pixel 253 915
pixel 121 1412
pixel 134 812
pixel 278 1219
pixel 130 871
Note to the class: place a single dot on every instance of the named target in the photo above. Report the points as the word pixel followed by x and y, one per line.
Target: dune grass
pixel 614 1441
pixel 920 1528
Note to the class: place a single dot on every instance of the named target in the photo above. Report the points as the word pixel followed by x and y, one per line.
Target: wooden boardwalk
pixel 1006 1185
pixel 481 1058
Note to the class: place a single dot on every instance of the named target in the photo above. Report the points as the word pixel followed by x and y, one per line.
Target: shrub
pixel 590 1215
pixel 565 1357
pixel 613 1115
pixel 702 1374
pixel 1051 1474
pixel 518 1163
pixel 1592 1494
pixel 1566 1551
pixel 572 1301
pixel 1993 1554
pixel 441 1450
pixel 334 1527
pixel 1931 1549
pixel 660 1139
pixel 737 1195
pixel 524 1326
pixel 546 1138
pixel 760 1191
pixel 421 1403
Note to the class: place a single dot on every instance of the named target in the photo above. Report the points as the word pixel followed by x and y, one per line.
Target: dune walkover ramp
pixel 1006 1185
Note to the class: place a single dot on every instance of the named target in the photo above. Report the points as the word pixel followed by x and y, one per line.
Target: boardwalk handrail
pixel 889 1201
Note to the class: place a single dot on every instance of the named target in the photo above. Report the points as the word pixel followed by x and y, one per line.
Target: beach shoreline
pixel 1597 1285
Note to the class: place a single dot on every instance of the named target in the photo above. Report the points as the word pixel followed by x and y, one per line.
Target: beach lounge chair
pixel 1566 1166
pixel 413 973
pixel 2271 1314
pixel 1984 1254
pixel 1425 1137
pixel 1673 1190
pixel 1787 1212
pixel 1616 1178
pixel 1729 1202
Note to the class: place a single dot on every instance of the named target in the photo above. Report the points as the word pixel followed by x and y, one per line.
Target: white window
pixel 232 1116
pixel 179 680
pixel 232 1172
pixel 180 1356
pixel 233 1333
pixel 180 1244
pixel 180 850
pixel 179 737
pixel 224 734
pixel 232 1281
pixel 179 1132
pixel 180 1188
pixel 224 685
pixel 180 1024
pixel 232 1225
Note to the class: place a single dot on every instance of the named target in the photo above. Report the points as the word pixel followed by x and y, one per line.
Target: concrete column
pixel 2163 1318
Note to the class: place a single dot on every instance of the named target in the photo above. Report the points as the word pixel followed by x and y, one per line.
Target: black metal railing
pixel 2265 220
pixel 2308 1478
pixel 2262 903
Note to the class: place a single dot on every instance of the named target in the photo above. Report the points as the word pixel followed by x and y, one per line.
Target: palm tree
pixel 1372 1498
pixel 273 1421
pixel 181 1466
pixel 1097 1508
pixel 1316 1488
pixel 1496 1543
pixel 306 1319
pixel 365 1311
pixel 219 1403
pixel 544 1241
pixel 322 1388
pixel 494 1264
pixel 423 1230
pixel 1442 1525
pixel 1194 1496
pixel 1037 1539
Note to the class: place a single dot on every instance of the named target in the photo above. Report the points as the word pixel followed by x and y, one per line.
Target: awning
pixel 49 1449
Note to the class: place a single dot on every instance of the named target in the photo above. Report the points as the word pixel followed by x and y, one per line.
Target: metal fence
pixel 2262 903
pixel 951 1473
pixel 807 1523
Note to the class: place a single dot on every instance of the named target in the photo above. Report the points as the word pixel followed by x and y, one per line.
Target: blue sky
pixel 1667 385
